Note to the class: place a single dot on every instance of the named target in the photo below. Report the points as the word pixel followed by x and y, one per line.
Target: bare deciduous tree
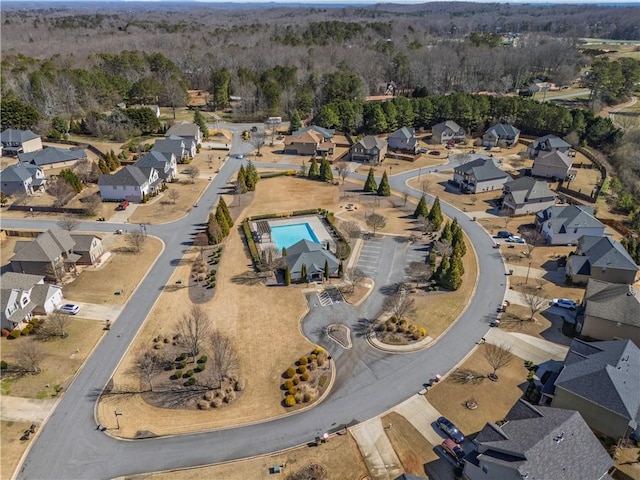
pixel 376 221
pixel 54 326
pixel 68 223
pixel 136 240
pixel 257 140
pixel 498 356
pixel 533 301
pixel 193 329
pixel 534 239
pixel 419 272
pixel 92 203
pixel 351 229
pixel 173 195
pixel 271 257
pixel 343 170
pixel 192 173
pixel 60 190
pixel 224 356
pixel 29 356
pixel 149 364
pixel 400 303
pixel 443 247
pixel 352 278
pixel 425 225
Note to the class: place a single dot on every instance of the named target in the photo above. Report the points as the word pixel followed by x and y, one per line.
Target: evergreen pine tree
pixel 326 269
pixel 446 233
pixel 251 176
pixel 287 276
pixel 284 251
pixel 422 209
pixel 325 171
pixel 241 180
pixel 222 221
pixel 199 120
pixel 303 272
pixel 441 270
pixel 384 190
pixel 340 270
pixel 223 206
pixel 457 240
pixel 435 215
pixel 452 276
pixel 102 165
pixel 296 123
pixel 214 231
pixel 314 169
pixel 370 185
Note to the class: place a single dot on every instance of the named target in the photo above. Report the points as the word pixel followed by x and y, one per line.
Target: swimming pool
pixel 286 235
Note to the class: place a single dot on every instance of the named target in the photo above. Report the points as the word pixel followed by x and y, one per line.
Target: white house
pixel 129 183
pixel 22 179
pixel 564 225
pixel 24 295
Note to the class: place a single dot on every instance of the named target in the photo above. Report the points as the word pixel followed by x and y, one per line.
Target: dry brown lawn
pixel 11 446
pixel 494 399
pixel 61 359
pixel 412 448
pixel 161 209
pixel 340 457
pixel 123 271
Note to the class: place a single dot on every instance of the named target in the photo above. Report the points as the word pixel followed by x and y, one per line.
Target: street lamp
pixel 528 270
pixel 117 414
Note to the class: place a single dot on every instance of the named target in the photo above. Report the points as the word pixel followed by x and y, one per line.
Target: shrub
pixel 3 365
pixel 312 357
pixel 209 396
pixel 239 386
pixel 156 339
pixel 216 403
pixel 181 365
pixel 423 331
pixel 187 374
pixel 190 382
pixel 290 372
pixel 176 375
pixel 304 377
pixel 296 380
pixel 199 368
pixel 290 401
pixel 166 340
pixel 288 384
pixel 320 360
pixel 203 405
pixel 302 369
pixel 230 396
pixel 403 321
pixel 15 333
pixel 318 350
pixel 322 381
pixel 168 367
pixel 302 361
pixel 182 356
pixel 27 329
pixel 393 319
pixel 401 328
pixel 415 335
pixel 292 391
pixel 299 396
pixel 390 327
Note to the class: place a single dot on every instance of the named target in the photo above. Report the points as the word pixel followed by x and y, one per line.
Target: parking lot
pixel 369 257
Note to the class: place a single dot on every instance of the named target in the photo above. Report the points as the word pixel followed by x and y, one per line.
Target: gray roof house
pixel 555 164
pixel 180 147
pixel 501 133
pixel 129 183
pixel 23 295
pixel 601 380
pixel 565 224
pixel 447 132
pixel 164 163
pixel 369 149
pixel 526 195
pixel 314 256
pixel 186 130
pixel 22 179
pixel 611 310
pixel 50 254
pixel 53 157
pixel 537 443
pixel 601 258
pixel 548 143
pixel 403 140
pixel 19 141
pixel 479 175
pixel 327 133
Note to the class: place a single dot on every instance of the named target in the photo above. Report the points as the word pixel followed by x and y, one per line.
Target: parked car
pixel 504 234
pixel 254 129
pixel 423 150
pixel 564 303
pixel 123 205
pixel 456 452
pixel 239 155
pixel 434 152
pixel 450 429
pixel 69 309
pixel 515 239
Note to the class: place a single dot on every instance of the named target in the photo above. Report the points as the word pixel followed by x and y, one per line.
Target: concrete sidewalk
pixel 377 451
pixel 422 416
pixel 526 346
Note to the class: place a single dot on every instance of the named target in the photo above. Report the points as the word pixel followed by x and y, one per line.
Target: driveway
pixel 19 409
pixel 93 311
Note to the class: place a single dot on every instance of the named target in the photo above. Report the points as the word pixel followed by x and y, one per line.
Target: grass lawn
pixel 494 399
pixel 412 448
pixel 339 457
pixel 11 446
pixel 162 209
pixel 61 359
pixel 123 271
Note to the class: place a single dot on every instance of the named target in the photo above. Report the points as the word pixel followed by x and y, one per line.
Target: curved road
pixel 369 381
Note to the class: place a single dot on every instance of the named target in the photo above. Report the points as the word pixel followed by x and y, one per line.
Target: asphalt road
pixel 368 381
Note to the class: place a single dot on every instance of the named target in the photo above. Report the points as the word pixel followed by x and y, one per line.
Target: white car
pixel 564 303
pixel 239 155
pixel 69 309
pixel 515 239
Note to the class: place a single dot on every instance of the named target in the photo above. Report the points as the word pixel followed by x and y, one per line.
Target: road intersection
pixel 368 382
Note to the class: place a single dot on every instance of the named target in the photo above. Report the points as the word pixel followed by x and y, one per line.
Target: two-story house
pixel 448 132
pixel 177 146
pixel 555 165
pixel 501 134
pixel 129 183
pixel 526 195
pixel 565 224
pixel 164 163
pixel 308 142
pixel 601 258
pixel 24 295
pixel 369 149
pixel 479 175
pixel 403 140
pixel 22 179
pixel 549 143
pixel 186 130
pixel 19 141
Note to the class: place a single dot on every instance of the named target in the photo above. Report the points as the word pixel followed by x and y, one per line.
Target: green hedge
pixel 251 243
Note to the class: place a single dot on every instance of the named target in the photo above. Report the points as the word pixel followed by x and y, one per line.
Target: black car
pixel 504 234
pixel 450 429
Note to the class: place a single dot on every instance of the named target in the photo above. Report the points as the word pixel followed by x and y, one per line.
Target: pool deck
pixel 314 222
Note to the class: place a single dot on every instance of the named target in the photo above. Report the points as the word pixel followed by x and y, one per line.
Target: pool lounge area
pixel 285 232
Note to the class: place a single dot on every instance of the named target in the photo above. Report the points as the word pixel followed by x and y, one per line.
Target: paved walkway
pixel 526 346
pixel 18 409
pixel 379 456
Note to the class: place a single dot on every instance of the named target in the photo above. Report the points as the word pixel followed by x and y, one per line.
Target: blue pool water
pixel 287 235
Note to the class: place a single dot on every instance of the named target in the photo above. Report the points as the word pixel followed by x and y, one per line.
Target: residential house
pixel 327 133
pixel 89 247
pixel 526 195
pixel 479 175
pixel 369 149
pixel 501 134
pixel 53 157
pixel 309 142
pixel 164 163
pixel 19 141
pixel 565 224
pixel 186 130
pixel 403 140
pixel 611 310
pixel 50 254
pixel 556 165
pixel 313 256
pixel 24 295
pixel 601 258
pixel 601 380
pixel 535 442
pixel 22 179
pixel 549 143
pixel 448 132
pixel 540 86
pixel 129 183
pixel 177 146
